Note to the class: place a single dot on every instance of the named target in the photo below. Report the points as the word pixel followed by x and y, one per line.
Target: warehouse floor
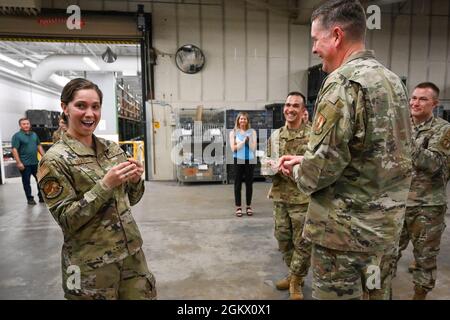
pixel 195 246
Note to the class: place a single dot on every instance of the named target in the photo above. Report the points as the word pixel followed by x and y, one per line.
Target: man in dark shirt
pixel 25 146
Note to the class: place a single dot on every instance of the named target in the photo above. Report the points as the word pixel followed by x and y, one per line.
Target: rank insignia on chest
pixel 51 188
pixel 319 123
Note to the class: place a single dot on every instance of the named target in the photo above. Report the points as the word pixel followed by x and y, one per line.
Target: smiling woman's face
pixel 83 113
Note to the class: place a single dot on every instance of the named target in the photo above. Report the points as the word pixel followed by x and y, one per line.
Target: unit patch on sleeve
pixel 318 124
pixel 51 188
pixel 445 141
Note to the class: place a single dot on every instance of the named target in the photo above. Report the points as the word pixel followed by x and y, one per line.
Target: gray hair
pixel 348 14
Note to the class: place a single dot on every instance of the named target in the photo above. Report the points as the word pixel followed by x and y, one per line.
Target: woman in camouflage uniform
pixel 89 185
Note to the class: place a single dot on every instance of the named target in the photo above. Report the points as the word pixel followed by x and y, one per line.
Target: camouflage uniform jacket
pixel 97 224
pixel 57 135
pixel 431 155
pixel 357 168
pixel 285 141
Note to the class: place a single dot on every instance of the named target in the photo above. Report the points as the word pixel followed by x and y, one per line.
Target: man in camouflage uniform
pixel 61 129
pixel 427 200
pixel 290 204
pixel 306 117
pixel 102 243
pixel 357 168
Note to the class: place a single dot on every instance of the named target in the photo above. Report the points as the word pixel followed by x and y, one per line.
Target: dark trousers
pixel 26 175
pixel 244 172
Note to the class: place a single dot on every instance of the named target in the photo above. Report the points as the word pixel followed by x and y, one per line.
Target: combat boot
pixel 419 294
pixel 283 284
pixel 295 288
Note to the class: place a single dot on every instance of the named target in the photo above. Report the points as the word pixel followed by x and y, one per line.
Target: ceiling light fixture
pixel 129 73
pixel 109 56
pixel 11 61
pixel 39 56
pixel 29 64
pixel 91 63
pixel 59 80
pixel 14 73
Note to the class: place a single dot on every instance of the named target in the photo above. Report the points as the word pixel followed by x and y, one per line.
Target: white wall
pixel 16 99
pixel 414 42
pixel 2 165
pixel 254 57
pixel 107 84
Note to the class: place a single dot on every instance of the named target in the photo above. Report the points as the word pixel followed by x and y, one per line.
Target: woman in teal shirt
pixel 243 145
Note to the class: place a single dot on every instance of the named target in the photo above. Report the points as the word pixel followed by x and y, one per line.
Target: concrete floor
pixel 195 246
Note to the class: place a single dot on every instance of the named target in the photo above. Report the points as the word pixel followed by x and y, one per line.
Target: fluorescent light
pixel 91 63
pixel 11 61
pixel 39 56
pixel 129 73
pixel 10 71
pixel 59 80
pixel 30 64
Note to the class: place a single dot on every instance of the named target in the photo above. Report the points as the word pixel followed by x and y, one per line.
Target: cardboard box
pixel 189 172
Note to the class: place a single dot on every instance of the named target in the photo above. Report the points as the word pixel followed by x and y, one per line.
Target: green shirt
pixel 27 147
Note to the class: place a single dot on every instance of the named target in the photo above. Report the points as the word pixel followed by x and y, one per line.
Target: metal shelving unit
pixel 201 136
pixel 129 111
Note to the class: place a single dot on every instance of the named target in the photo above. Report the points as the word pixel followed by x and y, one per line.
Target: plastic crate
pixel 41 118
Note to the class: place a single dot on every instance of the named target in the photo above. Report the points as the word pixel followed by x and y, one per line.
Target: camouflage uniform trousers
pixel 347 275
pixel 289 222
pixel 128 279
pixel 386 275
pixel 424 226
